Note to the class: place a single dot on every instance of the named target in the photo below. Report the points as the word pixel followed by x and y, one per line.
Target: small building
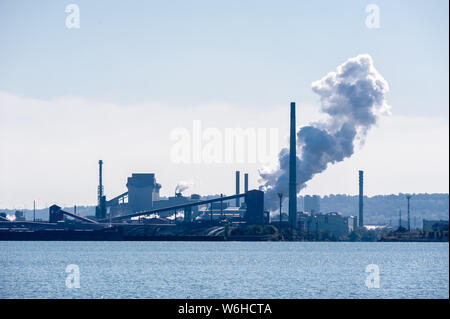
pixel 332 223
pixel 435 225
pixel 19 216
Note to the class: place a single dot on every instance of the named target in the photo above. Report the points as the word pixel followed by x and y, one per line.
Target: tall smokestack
pixel 353 98
pixel 246 182
pixel 361 197
pixel 100 211
pixel 293 171
pixel 238 201
pixel 408 197
pixel 100 183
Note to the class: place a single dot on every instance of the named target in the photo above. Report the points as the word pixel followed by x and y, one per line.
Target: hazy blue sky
pixel 191 59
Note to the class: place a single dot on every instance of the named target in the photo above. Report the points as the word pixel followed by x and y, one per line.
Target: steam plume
pixel 182 186
pixel 353 96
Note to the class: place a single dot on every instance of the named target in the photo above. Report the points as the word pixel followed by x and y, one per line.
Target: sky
pixel 119 87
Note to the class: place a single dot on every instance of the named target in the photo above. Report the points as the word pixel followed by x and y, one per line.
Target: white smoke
pixel 183 186
pixel 353 96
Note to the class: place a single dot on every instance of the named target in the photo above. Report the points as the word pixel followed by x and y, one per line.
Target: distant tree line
pixel 383 209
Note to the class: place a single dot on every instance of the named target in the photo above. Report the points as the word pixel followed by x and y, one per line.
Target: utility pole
pixel 400 218
pixel 34 210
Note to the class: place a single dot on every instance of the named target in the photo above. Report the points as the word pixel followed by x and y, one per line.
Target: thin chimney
pixel 361 198
pixel 238 201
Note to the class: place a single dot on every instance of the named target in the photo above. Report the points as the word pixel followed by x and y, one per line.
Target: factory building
pixel 311 204
pixel 255 207
pixel 3 217
pixel 19 216
pixel 332 223
pixel 143 195
pixel 435 225
pixel 55 214
pixel 176 200
pixel 143 191
pixel 213 212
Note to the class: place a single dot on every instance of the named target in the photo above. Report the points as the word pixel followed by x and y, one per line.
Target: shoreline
pixel 116 236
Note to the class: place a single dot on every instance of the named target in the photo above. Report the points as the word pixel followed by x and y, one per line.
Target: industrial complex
pixel 140 213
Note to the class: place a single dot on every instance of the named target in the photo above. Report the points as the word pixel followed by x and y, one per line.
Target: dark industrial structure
pixel 140 214
pixel 408 197
pixel 143 191
pixel 293 171
pixel 146 216
pixel 56 214
pixel 238 201
pixel 254 201
pixel 246 182
pixel 100 211
pixel 361 198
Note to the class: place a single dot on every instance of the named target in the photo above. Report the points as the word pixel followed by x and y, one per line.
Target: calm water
pixel 223 270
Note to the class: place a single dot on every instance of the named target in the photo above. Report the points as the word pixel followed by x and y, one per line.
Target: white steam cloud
pixel 353 96
pixel 183 186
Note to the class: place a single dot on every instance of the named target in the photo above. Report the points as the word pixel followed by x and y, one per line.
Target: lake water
pixel 223 269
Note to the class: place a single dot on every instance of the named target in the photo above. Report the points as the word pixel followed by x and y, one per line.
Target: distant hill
pixel 382 209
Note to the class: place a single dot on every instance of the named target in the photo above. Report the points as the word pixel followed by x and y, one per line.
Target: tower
pixel 238 200
pixel 100 211
pixel 408 197
pixel 292 171
pixel 246 182
pixel 361 198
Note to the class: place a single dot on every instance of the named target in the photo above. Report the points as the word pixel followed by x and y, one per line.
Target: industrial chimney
pixel 293 171
pixel 238 201
pixel 100 183
pixel 246 182
pixel 408 197
pixel 361 197
pixel 100 211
